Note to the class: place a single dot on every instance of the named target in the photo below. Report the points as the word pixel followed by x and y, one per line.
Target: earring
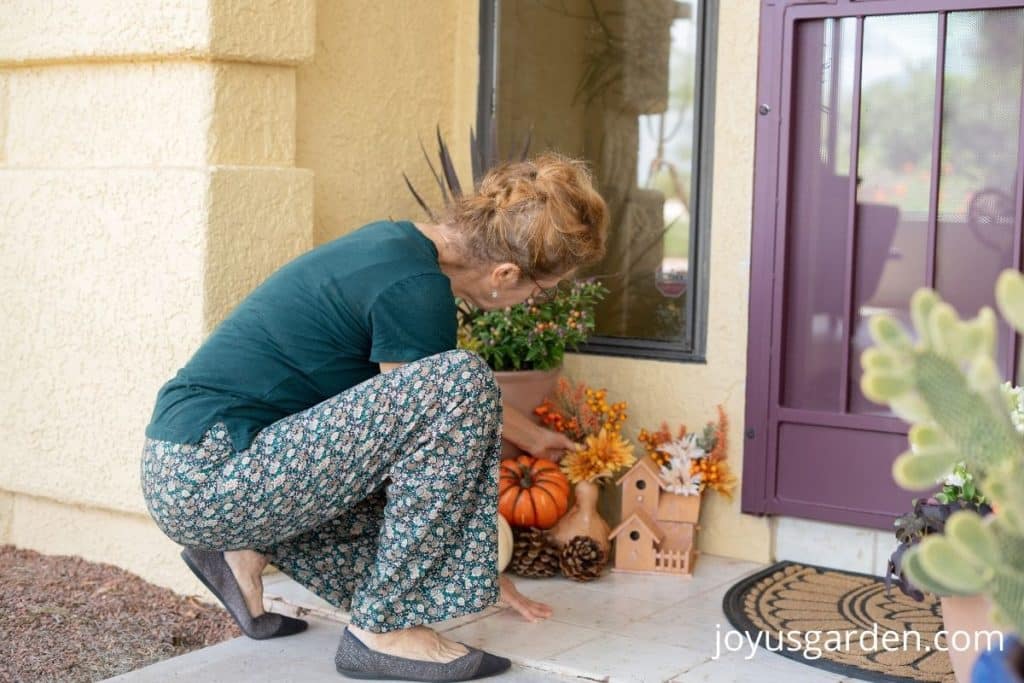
pixel 494 294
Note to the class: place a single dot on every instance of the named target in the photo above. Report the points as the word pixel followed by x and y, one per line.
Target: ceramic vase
pixel 583 519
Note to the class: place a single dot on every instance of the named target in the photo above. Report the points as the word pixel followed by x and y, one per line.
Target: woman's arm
pixel 518 428
pixel 531 437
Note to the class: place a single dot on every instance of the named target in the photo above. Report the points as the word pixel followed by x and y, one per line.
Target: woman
pixel 330 426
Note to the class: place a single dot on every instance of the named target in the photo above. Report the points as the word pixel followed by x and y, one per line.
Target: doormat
pixel 839 621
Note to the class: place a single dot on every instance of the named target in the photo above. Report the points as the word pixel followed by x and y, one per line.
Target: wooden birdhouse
pixel 640 486
pixel 658 531
pixel 636 540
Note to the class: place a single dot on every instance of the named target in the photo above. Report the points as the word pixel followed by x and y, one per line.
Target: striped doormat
pixel 826 617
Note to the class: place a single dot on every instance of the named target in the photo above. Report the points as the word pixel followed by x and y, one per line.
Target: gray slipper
pixel 212 569
pixel 356 660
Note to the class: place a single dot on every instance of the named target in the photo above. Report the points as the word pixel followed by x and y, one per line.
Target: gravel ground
pixel 65 619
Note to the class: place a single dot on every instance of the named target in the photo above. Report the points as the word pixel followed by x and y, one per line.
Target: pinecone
pixel 582 559
pixel 533 553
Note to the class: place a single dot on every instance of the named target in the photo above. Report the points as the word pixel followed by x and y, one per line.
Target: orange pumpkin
pixel 532 491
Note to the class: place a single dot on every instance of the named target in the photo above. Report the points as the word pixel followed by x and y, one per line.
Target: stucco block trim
pixel 145 114
pixel 266 31
pixel 172 113
pixel 253 116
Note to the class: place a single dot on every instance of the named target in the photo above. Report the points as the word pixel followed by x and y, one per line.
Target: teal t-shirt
pixel 317 326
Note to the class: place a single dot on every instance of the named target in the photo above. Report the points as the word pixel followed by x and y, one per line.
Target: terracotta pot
pixel 969 614
pixel 524 390
pixel 583 519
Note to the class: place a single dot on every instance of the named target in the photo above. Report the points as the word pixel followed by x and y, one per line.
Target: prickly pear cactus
pixel 945 382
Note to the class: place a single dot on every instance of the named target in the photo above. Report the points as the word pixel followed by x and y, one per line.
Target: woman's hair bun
pixel 543 214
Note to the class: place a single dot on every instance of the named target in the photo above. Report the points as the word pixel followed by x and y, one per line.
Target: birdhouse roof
pixel 649 467
pixel 640 515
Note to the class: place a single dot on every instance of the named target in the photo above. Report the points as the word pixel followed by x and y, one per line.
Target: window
pixel 627 86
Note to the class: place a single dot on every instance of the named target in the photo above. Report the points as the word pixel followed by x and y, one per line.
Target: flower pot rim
pixel 524 373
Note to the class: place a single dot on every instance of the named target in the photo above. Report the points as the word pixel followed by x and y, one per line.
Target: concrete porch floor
pixel 621 627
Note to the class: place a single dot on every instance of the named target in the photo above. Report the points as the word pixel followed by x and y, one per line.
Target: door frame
pixel 771 164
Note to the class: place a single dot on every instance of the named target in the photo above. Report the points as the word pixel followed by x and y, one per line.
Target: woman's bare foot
pixel 247 566
pixel 416 642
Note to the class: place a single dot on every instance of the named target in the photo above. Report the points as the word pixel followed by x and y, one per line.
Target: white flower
pixel 958 477
pixel 677 479
pixel 1015 400
pixel 954 479
pixel 676 473
pixel 685 447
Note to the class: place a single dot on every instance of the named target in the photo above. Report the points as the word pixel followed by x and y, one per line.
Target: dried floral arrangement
pixel 691 463
pixel 579 411
pixel 584 415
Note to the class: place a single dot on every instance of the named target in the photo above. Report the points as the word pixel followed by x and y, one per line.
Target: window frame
pixel 693 347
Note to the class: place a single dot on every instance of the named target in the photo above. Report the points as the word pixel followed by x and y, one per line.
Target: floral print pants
pixel 382 499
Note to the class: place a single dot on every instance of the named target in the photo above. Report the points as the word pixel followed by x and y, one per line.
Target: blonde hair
pixel 542 214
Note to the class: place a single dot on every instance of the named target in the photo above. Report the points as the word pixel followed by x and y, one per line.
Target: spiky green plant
pixel 947 385
pixel 481 158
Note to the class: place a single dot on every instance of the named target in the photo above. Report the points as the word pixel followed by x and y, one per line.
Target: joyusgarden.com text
pixel 813 644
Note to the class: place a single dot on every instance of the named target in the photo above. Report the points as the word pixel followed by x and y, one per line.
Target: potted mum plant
pixel 525 344
pixel 947 385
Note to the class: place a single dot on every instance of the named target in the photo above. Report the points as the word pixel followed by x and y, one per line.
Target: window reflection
pixel 894 251
pixel 615 82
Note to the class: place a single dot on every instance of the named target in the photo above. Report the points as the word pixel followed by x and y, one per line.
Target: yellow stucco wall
pixel 381 80
pixel 158 160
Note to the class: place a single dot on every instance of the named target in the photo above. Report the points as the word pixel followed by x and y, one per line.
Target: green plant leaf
pixel 966 531
pixel 889 333
pixel 944 330
pixel 875 359
pixel 447 166
pixel 983 375
pixel 921 303
pixel 882 388
pixel 419 199
pixel 920 470
pixel 926 437
pixel 910 407
pixel 1010 297
pixel 910 567
pixel 437 178
pixel 943 561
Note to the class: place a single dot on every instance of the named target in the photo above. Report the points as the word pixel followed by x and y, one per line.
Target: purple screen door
pixel 889 156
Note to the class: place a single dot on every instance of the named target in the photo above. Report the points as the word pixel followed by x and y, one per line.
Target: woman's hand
pixel 549 444
pixel 511 597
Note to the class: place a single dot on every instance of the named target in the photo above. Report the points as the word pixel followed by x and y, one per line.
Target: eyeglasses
pixel 543 295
